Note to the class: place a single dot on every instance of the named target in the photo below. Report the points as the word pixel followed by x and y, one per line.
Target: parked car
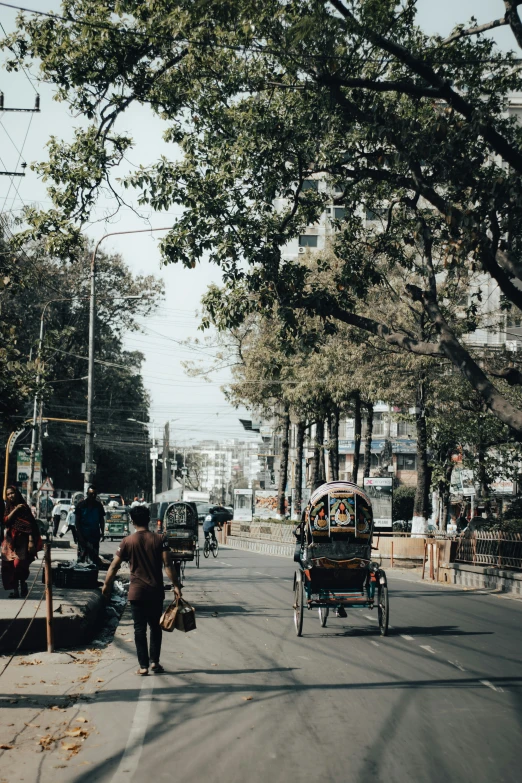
pixel 203 509
pixel 220 514
pixel 157 513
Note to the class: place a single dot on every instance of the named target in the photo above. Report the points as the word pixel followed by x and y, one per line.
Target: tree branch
pixel 402 86
pixel 497 403
pixel 511 375
pixel 481 28
pixel 496 140
pixel 513 19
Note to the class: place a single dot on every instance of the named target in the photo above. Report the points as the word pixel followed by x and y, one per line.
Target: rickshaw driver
pixel 209 526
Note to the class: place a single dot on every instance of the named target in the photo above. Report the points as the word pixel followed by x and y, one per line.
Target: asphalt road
pixel 244 699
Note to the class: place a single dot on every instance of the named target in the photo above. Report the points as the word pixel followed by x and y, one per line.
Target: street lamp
pixel 90 468
pixel 153 453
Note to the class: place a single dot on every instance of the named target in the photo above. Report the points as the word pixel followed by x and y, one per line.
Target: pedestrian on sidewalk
pixel 90 527
pixel 70 525
pixel 146 553
pixel 20 544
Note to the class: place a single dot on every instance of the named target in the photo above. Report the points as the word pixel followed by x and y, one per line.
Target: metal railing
pixel 490 548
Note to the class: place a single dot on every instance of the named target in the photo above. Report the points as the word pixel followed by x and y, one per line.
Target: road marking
pixel 408 638
pixel 489 684
pixel 376 644
pixel 458 666
pixel 428 648
pixel 132 753
pixel 369 617
pixel 227 564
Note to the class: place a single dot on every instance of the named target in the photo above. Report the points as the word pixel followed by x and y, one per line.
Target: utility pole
pixel 154 458
pixel 89 466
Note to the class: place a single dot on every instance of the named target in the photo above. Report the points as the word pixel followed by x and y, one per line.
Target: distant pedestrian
pixel 20 544
pixel 135 503
pixel 70 525
pixel 146 553
pixel 56 517
pixel 90 527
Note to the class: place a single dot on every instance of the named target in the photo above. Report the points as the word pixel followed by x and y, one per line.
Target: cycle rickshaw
pixel 334 556
pixel 180 525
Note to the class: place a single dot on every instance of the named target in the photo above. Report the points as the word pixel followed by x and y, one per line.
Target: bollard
pixel 49 596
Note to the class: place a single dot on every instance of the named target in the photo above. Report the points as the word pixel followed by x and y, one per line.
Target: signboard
pixel 243 505
pixel 503 487
pixel 88 467
pixel 47 486
pixel 23 466
pixel 462 482
pixel 380 492
pixel 154 453
pixel 265 503
pixel 399 446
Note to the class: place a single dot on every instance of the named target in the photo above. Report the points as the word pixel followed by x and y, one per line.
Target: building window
pixel 406 462
pixel 308 240
pixel 405 429
pixel 374 463
pixel 310 184
pixel 376 214
pixel 338 213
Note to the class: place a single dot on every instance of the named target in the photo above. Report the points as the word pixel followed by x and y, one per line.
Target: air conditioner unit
pixel 302 250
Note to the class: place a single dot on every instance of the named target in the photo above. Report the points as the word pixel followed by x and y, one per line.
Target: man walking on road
pixel 146 553
pixel 90 527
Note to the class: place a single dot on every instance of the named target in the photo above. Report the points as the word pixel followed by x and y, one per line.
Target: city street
pixel 245 699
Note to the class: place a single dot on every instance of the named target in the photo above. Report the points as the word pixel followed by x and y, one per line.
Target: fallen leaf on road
pixel 76 733
pixel 46 741
pixel 6 747
pixel 81 719
pixel 72 747
pixel 43 681
pixel 33 725
pixel 100 680
pixel 247 698
pixel 29 663
pixel 214 664
pixel 85 678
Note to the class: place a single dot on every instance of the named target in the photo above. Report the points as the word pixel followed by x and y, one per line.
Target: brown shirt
pixel 143 551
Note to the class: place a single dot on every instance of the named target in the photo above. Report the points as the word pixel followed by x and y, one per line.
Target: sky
pixel 196 408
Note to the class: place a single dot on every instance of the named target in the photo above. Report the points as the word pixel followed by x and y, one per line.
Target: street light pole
pixel 153 453
pixel 36 395
pixel 90 468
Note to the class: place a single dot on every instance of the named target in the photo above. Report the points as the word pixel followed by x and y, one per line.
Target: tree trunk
pixel 445 488
pixel 283 467
pixel 368 444
pixel 357 436
pixel 299 447
pixel 421 502
pixel 318 472
pixel 483 479
pixel 333 445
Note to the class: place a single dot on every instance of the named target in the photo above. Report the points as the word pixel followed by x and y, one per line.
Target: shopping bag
pixel 168 618
pixel 185 618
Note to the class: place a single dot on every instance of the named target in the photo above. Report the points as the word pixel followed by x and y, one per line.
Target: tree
pixel 260 98
pixel 121 446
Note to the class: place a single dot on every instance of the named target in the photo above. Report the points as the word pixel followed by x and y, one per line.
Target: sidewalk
pixel 75 612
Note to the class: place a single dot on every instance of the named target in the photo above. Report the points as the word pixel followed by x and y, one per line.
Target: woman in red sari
pixel 20 544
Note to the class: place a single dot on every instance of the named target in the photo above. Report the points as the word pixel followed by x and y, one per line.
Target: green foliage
pixel 257 98
pixel 403 500
pixel 120 447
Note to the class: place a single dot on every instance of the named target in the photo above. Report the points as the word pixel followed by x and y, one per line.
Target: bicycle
pixel 210 545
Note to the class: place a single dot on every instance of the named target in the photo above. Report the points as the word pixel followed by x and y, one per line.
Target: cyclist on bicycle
pixel 209 525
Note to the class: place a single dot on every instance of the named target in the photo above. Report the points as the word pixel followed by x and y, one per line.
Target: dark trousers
pixel 147 613
pixel 88 550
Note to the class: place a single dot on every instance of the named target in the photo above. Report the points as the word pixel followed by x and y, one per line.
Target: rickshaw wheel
pixel 298 604
pixel 383 607
pixel 323 615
